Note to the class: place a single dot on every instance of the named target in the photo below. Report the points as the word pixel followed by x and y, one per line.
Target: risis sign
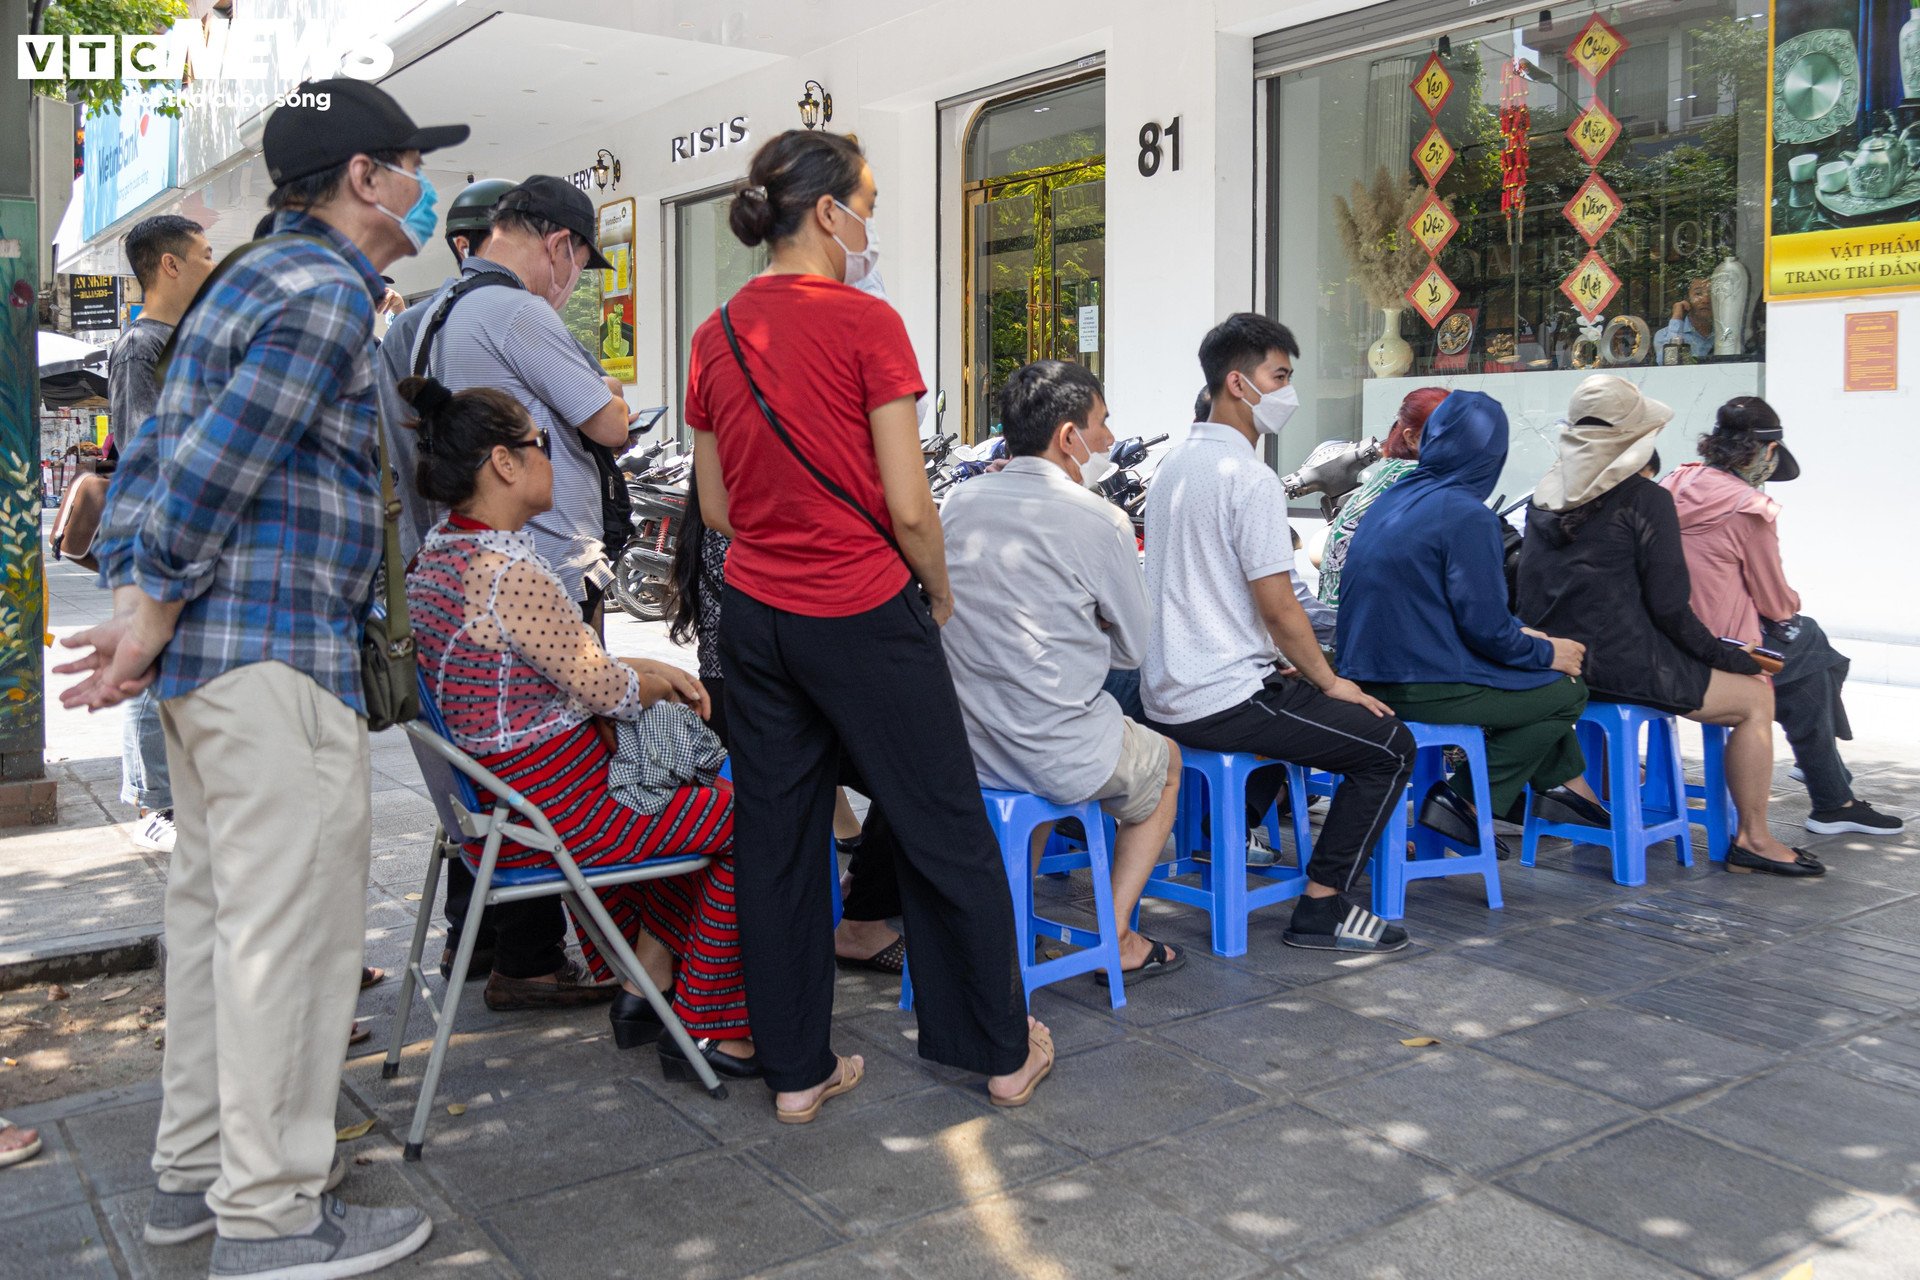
pixel 710 137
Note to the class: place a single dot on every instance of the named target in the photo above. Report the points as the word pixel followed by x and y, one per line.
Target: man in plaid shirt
pixel 242 539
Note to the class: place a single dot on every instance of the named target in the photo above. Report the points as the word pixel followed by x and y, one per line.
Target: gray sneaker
pixel 176 1217
pixel 349 1240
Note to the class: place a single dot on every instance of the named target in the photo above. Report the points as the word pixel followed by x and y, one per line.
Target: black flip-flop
pixel 371 977
pixel 1158 963
pixel 891 958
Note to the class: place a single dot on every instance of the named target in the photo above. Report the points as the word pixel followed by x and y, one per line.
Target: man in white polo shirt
pixel 1219 571
pixel 1050 600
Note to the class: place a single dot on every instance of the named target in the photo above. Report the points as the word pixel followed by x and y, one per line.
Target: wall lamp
pixel 605 168
pixel 815 111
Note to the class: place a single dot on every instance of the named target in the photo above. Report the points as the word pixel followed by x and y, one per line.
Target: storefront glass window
pixel 710 264
pixel 1672 197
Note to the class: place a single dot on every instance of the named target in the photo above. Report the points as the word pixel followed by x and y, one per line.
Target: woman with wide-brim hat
pixel 1603 564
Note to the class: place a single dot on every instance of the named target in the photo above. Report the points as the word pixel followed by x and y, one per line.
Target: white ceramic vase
pixel 1910 56
pixel 1729 288
pixel 1390 356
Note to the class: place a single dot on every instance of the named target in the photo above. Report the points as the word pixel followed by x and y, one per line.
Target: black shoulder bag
pixel 825 481
pixel 616 505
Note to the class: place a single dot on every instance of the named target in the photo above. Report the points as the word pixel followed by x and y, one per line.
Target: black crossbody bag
pixel 826 482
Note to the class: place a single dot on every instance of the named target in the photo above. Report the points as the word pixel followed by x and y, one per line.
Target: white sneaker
pixel 155 831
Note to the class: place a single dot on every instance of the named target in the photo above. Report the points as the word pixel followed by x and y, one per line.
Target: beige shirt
pixel 1037 564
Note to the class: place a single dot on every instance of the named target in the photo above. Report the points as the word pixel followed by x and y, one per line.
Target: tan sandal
pixel 1043 1040
pixel 851 1074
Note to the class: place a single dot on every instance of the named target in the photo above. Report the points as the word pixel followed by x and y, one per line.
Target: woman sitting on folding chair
pixel 519 678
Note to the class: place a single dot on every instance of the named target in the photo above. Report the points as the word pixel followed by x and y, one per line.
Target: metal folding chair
pixel 451 776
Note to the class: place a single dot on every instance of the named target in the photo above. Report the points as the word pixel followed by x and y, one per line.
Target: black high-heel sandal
pixel 634 1021
pixel 674 1065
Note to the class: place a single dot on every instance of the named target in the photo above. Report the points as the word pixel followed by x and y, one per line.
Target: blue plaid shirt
pixel 253 493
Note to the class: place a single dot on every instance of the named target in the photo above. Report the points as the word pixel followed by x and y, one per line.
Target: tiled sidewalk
pixel 1707 1076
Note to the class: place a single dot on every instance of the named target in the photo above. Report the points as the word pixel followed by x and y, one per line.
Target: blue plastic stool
pixel 833 852
pixel 1717 813
pixel 1393 868
pixel 1645 811
pixel 1014 816
pixel 1213 787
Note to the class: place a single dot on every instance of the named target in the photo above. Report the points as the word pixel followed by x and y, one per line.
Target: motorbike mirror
pixel 940 402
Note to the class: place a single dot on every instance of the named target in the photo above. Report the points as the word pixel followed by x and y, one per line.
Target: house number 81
pixel 1151 152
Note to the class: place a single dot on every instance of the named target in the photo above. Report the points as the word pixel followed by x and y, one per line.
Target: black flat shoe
pixel 1567 806
pixel 634 1021
pixel 1743 861
pixel 674 1065
pixel 1445 812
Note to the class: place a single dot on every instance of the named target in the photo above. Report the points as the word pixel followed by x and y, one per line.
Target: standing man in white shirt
pixel 1220 574
pixel 1051 601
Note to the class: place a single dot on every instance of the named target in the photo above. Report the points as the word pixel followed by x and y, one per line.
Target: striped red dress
pixel 518 677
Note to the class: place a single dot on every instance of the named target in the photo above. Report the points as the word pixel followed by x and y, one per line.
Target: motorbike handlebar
pixel 1335 476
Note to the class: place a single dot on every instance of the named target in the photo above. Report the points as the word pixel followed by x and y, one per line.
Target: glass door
pixel 1036 225
pixel 709 266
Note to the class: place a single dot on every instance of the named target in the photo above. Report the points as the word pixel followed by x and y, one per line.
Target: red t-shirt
pixel 825 355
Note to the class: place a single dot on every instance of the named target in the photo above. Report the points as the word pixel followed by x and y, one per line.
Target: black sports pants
pixel 1291 720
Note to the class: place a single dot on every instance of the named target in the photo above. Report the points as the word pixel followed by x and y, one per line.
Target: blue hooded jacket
pixel 1423 598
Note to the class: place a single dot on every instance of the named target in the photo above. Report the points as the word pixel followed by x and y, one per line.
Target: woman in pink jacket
pixel 1728 531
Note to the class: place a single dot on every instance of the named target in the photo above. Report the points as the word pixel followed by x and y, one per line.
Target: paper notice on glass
pixel 1873 351
pixel 1089 329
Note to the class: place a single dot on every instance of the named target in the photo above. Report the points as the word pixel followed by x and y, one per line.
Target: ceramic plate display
pixel 1456 334
pixel 1816 85
pixel 1849 205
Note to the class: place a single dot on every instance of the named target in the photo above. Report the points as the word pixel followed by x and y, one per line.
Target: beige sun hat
pixel 1608 436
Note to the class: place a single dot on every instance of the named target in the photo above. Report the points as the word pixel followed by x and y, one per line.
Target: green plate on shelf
pixel 1816 86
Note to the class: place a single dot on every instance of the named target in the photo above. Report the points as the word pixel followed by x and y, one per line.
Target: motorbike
pixel 1332 470
pixel 657 488
pixel 1126 488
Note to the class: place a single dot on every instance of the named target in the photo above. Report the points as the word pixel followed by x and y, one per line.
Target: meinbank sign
pixel 218 55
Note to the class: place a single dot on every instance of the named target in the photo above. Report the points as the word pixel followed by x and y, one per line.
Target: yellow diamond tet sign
pixel 1596 48
pixel 1591 286
pixel 1433 224
pixel 1594 209
pixel 1433 157
pixel 1593 132
pixel 1434 85
pixel 1433 295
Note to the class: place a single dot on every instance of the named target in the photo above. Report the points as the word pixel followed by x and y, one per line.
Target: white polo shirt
pixel 1216 520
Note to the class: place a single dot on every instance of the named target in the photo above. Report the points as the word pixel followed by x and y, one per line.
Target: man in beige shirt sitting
pixel 1050 598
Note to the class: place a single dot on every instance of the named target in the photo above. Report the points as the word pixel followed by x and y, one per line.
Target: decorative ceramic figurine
pixel 1730 289
pixel 1390 356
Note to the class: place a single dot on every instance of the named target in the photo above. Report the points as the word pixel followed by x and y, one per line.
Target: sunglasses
pixel 538 440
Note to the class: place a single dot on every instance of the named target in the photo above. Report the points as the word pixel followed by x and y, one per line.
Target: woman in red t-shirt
pixel 836 586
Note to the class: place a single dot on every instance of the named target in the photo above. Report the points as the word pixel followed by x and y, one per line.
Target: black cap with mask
pixel 561 203
pixel 303 137
pixel 1751 418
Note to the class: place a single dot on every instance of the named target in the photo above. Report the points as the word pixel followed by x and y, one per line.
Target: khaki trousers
pixel 266 925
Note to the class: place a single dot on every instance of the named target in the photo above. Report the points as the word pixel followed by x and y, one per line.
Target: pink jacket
pixel 1733 551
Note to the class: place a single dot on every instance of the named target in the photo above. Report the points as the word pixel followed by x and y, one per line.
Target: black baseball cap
pixel 301 139
pixel 561 203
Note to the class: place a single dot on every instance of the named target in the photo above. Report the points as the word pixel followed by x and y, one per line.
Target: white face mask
pixel 1095 468
pixel 1271 411
pixel 864 263
pixel 558 299
pixel 872 283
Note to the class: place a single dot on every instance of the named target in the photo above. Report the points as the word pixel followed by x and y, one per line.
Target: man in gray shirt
pixel 1050 598
pixel 170 257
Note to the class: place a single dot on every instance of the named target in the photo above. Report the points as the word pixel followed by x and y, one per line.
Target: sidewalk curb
pixel 84 955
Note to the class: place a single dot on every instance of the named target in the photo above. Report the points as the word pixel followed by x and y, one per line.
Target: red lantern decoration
pixel 1516 121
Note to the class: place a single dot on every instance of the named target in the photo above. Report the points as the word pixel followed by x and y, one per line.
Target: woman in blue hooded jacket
pixel 1424 627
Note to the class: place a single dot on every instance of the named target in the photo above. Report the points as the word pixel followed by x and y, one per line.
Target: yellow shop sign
pixel 1845 260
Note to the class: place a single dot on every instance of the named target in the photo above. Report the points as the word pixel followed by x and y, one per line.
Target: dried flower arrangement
pixel 1385 257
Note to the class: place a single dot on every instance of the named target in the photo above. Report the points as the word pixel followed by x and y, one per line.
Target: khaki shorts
pixel 1133 792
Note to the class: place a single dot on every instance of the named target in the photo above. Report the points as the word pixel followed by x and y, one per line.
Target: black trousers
pixel 873 889
pixel 1291 720
pixel 801 693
